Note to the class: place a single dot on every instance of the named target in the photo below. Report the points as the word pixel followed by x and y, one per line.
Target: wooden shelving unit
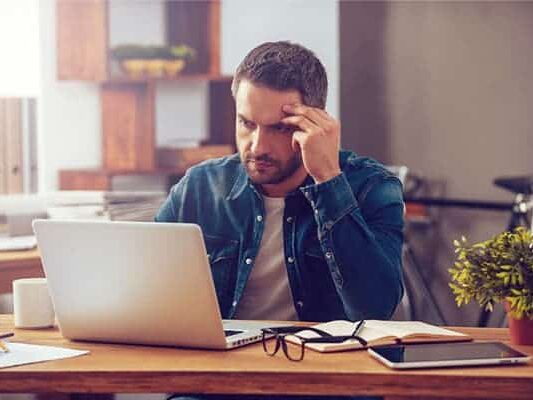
pixel 128 104
pixel 179 78
pixel 101 179
pixel 83 37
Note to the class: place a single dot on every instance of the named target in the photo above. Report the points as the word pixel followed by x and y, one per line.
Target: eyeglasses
pixel 295 350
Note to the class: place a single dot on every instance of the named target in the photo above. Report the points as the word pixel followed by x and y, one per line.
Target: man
pixel 295 228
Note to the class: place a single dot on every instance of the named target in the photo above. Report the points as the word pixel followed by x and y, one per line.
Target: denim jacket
pixel 342 238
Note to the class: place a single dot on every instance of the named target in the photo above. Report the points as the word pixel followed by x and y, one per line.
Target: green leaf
pixel 498 268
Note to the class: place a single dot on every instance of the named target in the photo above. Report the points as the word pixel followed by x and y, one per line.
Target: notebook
pixel 136 282
pixel 377 332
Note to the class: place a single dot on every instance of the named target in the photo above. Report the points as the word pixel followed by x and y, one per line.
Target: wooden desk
pixel 16 265
pixel 126 368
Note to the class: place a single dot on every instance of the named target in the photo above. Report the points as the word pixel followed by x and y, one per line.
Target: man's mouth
pixel 259 164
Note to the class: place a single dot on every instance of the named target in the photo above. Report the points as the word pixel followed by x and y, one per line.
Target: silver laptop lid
pixel 131 282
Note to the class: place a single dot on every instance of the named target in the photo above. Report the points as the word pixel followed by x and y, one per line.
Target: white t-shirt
pixel 267 294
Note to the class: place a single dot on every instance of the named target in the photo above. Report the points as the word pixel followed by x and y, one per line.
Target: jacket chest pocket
pixel 223 255
pixel 313 252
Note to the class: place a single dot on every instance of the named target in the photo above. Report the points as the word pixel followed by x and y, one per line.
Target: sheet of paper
pixel 20 353
pixel 17 243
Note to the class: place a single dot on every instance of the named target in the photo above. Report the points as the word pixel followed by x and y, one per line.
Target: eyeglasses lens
pixel 294 348
pixel 270 344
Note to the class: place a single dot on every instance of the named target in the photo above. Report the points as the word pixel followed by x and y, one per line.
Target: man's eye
pixel 246 124
pixel 284 128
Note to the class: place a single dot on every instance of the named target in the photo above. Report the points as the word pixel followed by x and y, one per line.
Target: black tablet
pixel 447 355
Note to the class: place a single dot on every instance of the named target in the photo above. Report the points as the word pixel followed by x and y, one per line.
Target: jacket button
pixel 248 261
pixel 234 304
pixel 300 304
pixel 289 220
pixel 290 260
pixel 329 255
pixel 259 218
pixel 337 277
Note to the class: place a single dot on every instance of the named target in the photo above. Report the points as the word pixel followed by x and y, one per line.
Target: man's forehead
pixel 262 104
pixel 262 119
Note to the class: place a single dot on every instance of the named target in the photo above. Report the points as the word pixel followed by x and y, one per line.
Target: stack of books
pixel 143 208
pixel 101 205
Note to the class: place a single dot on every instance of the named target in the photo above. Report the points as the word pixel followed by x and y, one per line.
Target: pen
pixel 3 346
pixel 358 328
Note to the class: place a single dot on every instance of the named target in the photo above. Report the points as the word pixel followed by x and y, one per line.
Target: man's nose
pixel 260 143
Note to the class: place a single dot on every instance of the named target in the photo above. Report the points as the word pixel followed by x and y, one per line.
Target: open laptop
pixel 136 282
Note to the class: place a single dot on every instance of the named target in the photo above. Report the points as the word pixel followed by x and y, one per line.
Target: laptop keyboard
pixel 228 332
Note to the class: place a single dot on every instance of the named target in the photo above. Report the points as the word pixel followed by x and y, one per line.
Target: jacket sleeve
pixel 362 242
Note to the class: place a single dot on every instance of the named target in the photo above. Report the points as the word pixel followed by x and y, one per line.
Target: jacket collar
pixel 241 183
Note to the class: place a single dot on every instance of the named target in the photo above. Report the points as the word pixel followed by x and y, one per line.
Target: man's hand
pixel 318 137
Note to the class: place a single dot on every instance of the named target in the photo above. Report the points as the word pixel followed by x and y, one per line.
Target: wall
pixel 68 112
pixel 445 88
pixel 312 23
pixel 19 77
pixel 19 72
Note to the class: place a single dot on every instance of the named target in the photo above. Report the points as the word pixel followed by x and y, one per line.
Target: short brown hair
pixel 285 66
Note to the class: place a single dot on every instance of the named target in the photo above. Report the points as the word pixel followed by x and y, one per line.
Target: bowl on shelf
pixel 155 68
pixel 134 67
pixel 152 61
pixel 173 67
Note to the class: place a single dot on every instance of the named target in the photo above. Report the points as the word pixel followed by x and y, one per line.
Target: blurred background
pixel 124 95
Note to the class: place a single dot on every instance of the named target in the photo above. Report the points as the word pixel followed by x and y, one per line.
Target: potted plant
pixel 498 270
pixel 177 58
pixel 132 58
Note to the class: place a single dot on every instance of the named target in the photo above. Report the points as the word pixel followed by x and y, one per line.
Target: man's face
pixel 264 143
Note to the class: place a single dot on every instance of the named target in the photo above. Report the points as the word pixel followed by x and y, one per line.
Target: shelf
pixel 179 78
pixel 129 128
pixel 107 172
pixel 173 162
pixel 84 37
pixel 101 179
pixel 131 107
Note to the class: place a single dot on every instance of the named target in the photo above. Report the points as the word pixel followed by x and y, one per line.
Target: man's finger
pixel 309 112
pixel 302 109
pixel 324 114
pixel 301 122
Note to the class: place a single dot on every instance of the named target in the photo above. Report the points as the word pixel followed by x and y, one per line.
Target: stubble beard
pixel 277 173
